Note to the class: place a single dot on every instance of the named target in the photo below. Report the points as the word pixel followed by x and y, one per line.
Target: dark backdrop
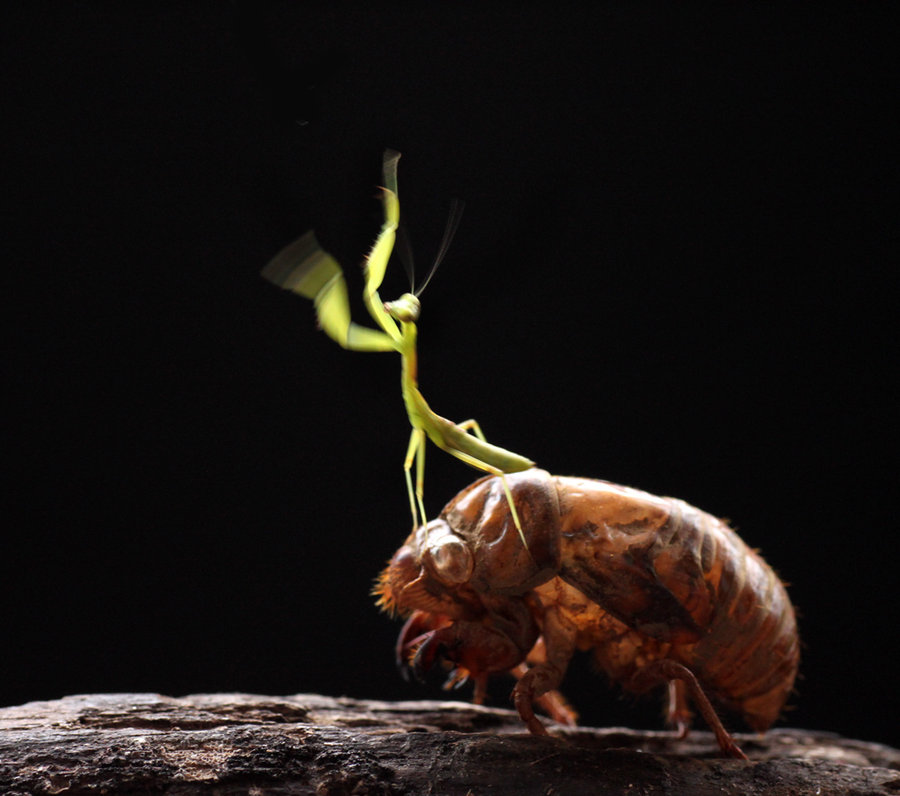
pixel 672 273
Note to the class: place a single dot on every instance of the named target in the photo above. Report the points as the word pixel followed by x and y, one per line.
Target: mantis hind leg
pixel 472 425
pixel 416 451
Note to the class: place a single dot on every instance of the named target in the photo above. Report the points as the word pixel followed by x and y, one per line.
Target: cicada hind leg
pixel 667 671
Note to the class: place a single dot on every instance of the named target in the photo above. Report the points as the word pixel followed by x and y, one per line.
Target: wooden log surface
pixel 311 744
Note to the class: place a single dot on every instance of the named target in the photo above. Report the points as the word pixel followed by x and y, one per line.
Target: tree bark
pixel 311 744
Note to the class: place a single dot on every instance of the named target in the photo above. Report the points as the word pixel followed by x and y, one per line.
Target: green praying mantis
pixel 303 267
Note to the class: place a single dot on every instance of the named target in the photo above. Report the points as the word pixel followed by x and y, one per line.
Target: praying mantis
pixel 303 267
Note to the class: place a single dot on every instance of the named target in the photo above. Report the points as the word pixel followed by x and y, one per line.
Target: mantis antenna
pixel 305 268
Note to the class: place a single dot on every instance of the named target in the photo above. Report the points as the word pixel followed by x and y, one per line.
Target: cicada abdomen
pixel 677 583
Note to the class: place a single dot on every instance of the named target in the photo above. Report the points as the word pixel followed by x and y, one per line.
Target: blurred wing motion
pixel 305 268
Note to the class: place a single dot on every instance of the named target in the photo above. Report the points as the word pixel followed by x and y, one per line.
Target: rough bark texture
pixel 310 744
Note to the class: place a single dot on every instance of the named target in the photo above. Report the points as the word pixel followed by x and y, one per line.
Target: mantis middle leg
pixel 416 450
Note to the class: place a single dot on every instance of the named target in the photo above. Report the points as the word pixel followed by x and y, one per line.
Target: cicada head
pixel 429 573
pixel 474 633
pixel 474 550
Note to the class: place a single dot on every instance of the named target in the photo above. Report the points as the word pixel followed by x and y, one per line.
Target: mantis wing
pixel 305 268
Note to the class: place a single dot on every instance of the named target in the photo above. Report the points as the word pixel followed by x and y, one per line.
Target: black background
pixel 673 273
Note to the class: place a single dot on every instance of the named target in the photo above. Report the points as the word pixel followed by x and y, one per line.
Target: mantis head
pixel 404 309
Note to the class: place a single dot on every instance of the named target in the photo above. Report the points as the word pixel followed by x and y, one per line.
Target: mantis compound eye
pixel 450 560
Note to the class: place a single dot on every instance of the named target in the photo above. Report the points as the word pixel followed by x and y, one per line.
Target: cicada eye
pixel 450 560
